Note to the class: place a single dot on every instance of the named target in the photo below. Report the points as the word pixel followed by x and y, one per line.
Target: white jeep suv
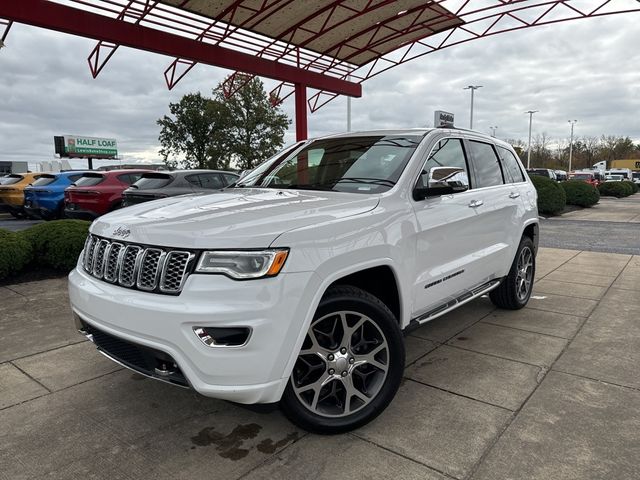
pixel 296 284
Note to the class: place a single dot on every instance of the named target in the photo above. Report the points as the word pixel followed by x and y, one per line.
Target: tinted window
pixel 229 178
pixel 74 178
pixel 486 165
pixel 542 172
pixel 129 178
pixel 44 180
pixel 11 179
pixel 210 180
pixel 89 180
pixel 152 180
pixel 193 180
pixel 510 166
pixel 447 153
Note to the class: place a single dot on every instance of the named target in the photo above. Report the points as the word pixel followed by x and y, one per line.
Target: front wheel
pixel 515 290
pixel 350 365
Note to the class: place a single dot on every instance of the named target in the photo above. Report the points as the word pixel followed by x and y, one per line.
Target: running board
pixel 457 302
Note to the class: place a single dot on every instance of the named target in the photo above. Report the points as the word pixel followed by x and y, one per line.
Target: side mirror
pixel 443 181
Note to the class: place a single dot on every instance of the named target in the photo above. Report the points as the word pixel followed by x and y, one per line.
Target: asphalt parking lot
pixel 547 392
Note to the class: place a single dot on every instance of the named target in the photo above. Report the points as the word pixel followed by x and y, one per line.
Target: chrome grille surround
pixel 148 268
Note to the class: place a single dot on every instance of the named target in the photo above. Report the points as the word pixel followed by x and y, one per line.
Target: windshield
pixel 371 164
pixel 43 180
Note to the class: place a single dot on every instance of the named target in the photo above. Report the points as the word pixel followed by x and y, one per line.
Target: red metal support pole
pixel 301 112
pixel 301 131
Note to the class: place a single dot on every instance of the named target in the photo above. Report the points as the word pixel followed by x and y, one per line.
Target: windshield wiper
pixel 372 181
pixel 307 186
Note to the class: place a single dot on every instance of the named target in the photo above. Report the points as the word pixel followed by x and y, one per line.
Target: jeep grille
pixel 151 269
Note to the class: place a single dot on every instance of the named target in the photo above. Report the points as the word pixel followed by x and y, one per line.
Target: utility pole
pixel 473 88
pixel 493 131
pixel 572 122
pixel 530 112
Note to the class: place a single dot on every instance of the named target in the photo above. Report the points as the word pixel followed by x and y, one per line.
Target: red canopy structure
pixel 331 46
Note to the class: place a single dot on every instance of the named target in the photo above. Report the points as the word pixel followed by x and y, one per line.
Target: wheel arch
pixel 380 281
pixel 532 230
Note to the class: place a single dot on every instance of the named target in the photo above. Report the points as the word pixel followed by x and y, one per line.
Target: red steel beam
pixel 301 112
pixel 54 16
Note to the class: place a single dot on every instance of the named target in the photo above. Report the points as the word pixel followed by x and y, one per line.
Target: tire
pixel 515 290
pixel 350 365
pixel 16 215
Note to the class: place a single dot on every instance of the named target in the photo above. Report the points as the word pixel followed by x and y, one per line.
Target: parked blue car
pixel 44 198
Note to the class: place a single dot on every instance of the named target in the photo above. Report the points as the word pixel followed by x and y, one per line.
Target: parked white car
pixel 296 284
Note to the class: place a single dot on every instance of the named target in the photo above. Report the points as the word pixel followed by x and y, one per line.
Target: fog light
pixel 223 337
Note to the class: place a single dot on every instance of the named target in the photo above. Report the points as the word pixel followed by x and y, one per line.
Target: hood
pixel 236 218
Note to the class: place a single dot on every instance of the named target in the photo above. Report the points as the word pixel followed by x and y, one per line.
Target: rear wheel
pixel 350 365
pixel 515 290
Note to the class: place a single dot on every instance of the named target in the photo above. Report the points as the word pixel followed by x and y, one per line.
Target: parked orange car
pixel 12 192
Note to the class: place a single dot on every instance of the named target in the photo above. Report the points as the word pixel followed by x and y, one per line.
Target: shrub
pixel 580 193
pixel 614 189
pixel 551 196
pixel 631 186
pixel 57 244
pixel 15 253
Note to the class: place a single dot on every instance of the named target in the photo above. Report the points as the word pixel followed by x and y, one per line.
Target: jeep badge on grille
pixel 122 232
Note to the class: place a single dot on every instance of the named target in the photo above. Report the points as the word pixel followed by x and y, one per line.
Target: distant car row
pixel 87 195
pixel 594 177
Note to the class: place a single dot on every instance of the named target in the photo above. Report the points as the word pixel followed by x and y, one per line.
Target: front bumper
pixel 276 310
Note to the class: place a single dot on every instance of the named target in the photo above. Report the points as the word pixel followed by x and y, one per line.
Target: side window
pixel 74 178
pixel 126 178
pixel 229 178
pixel 486 165
pixel 211 180
pixel 448 152
pixel 510 165
pixel 130 178
pixel 193 180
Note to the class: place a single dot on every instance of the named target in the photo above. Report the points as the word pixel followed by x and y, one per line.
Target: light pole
pixel 572 122
pixel 530 112
pixel 473 88
pixel 493 131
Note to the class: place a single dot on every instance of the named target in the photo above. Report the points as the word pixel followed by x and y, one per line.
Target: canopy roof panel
pixel 353 31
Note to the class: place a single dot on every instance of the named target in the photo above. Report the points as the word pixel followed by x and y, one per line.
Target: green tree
pixel 253 128
pixel 193 137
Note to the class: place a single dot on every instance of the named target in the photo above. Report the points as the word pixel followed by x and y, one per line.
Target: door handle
pixel 514 195
pixel 475 203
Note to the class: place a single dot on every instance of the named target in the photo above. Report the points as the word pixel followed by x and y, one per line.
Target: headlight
pixel 243 264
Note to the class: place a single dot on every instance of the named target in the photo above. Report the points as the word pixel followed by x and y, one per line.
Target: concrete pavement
pixel 547 392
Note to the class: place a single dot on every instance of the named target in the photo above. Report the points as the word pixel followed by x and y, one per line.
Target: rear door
pixel 501 208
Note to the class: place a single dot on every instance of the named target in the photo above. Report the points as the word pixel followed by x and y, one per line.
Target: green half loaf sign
pixel 79 146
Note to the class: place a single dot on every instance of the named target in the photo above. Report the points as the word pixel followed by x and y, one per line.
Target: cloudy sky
pixel 585 70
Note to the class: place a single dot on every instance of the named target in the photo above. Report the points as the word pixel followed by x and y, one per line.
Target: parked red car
pixel 96 193
pixel 591 178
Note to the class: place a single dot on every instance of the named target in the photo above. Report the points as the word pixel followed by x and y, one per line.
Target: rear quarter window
pixel 510 166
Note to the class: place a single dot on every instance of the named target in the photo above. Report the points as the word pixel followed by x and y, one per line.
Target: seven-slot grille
pixel 151 269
